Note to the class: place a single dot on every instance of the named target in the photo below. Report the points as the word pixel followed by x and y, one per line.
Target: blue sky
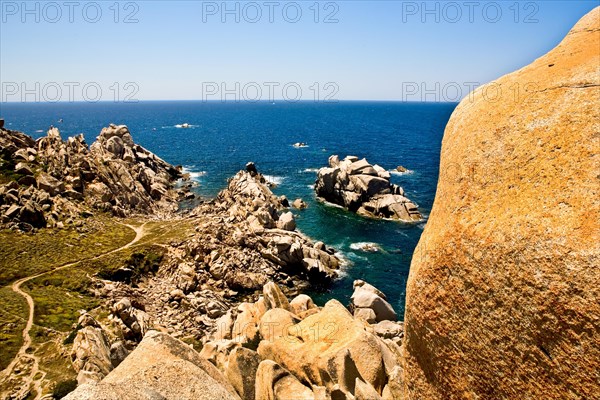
pixel 183 50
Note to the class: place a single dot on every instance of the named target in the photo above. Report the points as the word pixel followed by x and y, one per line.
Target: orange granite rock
pixel 503 298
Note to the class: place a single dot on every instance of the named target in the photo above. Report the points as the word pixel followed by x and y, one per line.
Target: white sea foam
pixel 39 131
pixel 395 172
pixel 194 175
pixel 344 258
pixel 368 247
pixel 276 180
pixel 354 256
pixel 341 272
pixel 310 170
pixel 327 203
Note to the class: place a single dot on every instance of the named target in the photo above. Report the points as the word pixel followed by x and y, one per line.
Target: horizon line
pixel 276 101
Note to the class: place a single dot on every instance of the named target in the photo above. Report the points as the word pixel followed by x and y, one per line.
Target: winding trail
pixel 22 353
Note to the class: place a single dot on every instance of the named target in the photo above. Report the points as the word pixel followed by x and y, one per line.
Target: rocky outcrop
pixel 161 367
pixel 273 348
pixel 52 181
pixel 91 354
pixel 502 297
pixel 133 322
pixel 365 189
pixel 213 278
pixel 299 204
pixel 305 352
pixel 250 237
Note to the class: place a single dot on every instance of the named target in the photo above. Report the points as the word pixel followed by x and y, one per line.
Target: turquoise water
pixel 224 136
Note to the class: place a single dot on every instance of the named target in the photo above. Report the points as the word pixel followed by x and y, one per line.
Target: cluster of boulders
pixel 244 238
pixel 248 236
pixel 269 349
pixel 365 189
pixel 50 182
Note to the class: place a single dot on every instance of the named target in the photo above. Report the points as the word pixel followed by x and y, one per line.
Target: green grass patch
pixel 7 169
pixel 13 317
pixel 59 295
pixel 58 308
pixel 25 254
pixel 63 388
pixel 167 232
pixel 55 361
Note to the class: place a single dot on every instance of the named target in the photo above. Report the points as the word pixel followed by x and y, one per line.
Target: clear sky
pixel 193 50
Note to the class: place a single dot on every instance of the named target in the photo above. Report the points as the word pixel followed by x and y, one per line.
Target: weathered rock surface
pixel 241 371
pixel 367 297
pixel 503 294
pixel 312 353
pixel 365 189
pixel 275 383
pixel 161 367
pixel 91 355
pixel 56 180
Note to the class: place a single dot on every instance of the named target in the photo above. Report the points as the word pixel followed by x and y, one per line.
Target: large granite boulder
pixel 161 367
pixel 365 189
pixel 503 293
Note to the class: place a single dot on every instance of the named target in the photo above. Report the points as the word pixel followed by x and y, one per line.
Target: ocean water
pixel 223 137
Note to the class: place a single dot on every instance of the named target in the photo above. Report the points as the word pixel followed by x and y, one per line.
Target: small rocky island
pixel 364 189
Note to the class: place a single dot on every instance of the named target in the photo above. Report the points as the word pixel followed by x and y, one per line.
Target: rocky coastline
pixel 502 297
pixel 243 239
pixel 53 182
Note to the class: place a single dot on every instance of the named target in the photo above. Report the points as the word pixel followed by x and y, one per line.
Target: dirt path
pixel 22 354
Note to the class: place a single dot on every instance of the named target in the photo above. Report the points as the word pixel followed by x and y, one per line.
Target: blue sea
pixel 223 137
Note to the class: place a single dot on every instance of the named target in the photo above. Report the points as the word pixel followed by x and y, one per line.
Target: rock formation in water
pixel 365 189
pixel 49 182
pixel 272 349
pixel 503 298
